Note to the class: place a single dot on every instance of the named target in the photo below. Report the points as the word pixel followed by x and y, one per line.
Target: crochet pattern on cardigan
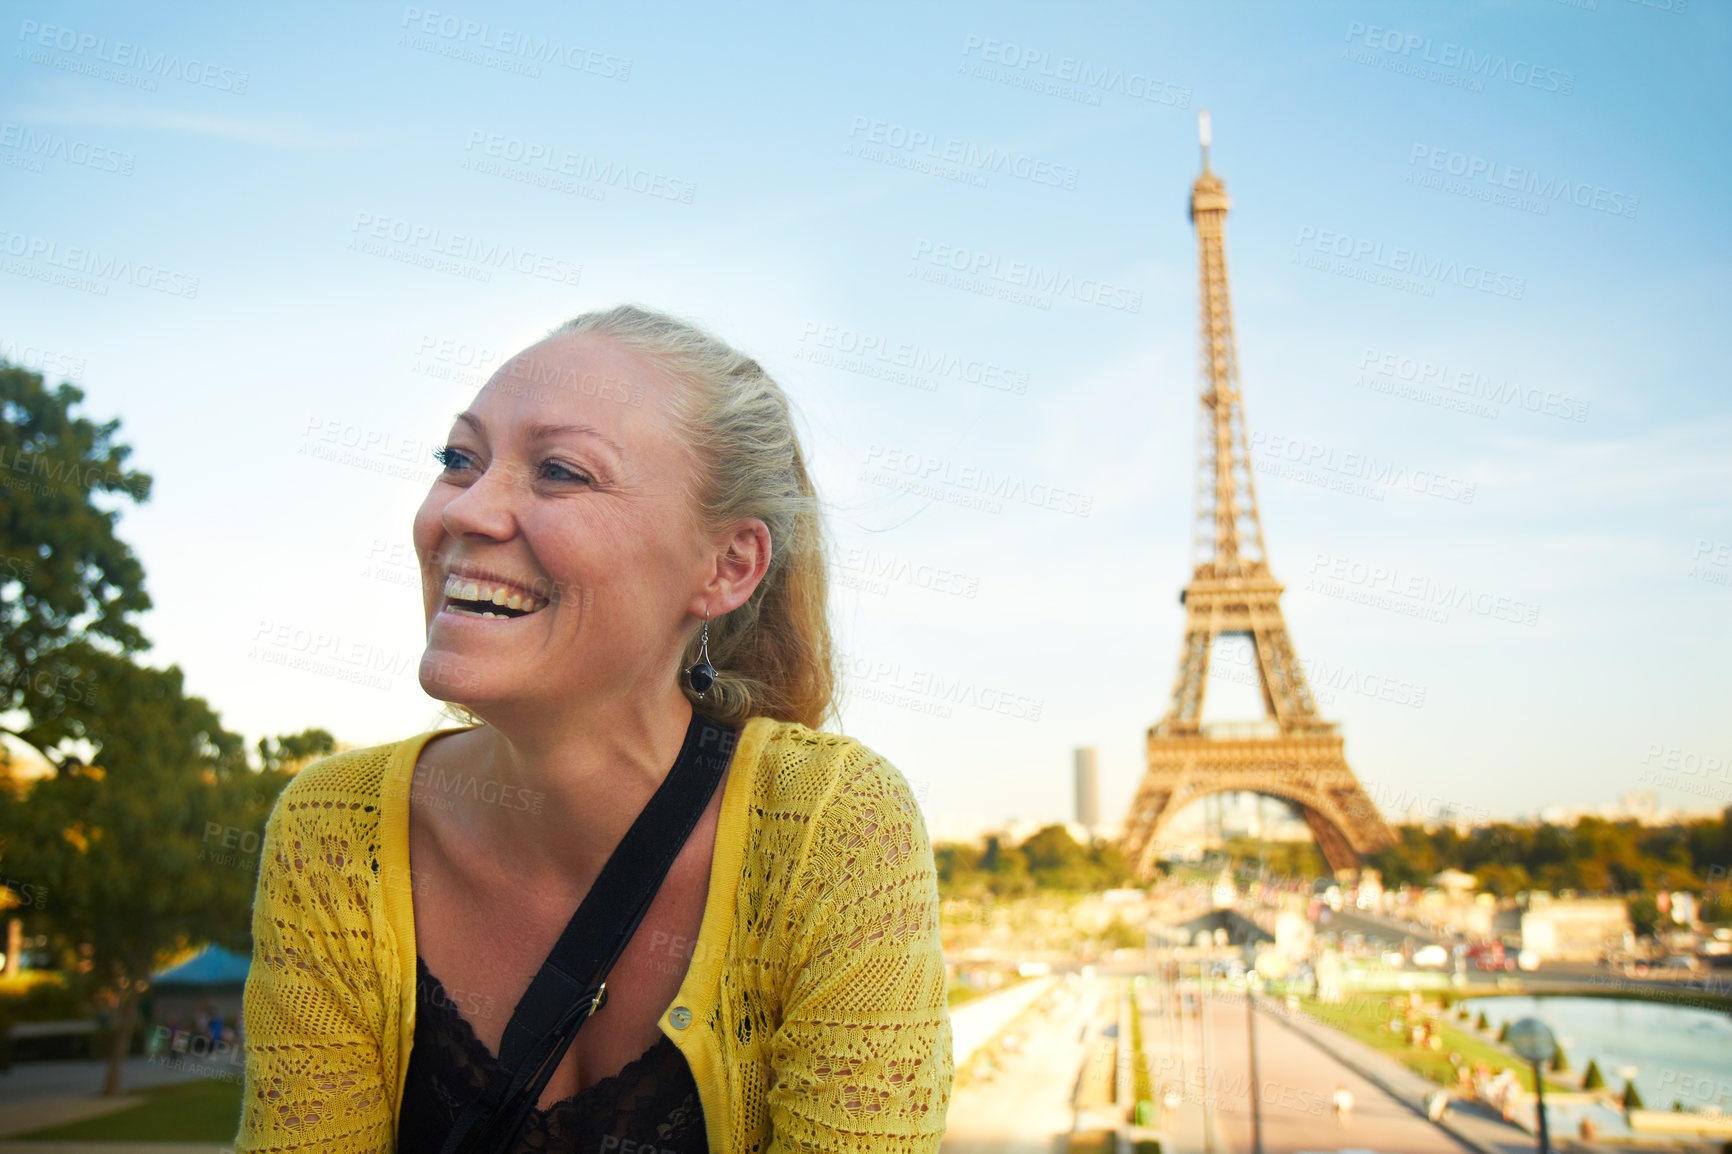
pixel 812 1013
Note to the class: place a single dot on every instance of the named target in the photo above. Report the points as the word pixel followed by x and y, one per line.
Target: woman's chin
pixel 456 679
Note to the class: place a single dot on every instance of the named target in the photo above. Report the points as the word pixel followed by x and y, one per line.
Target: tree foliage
pixel 68 583
pixel 144 841
pixel 148 849
pixel 1595 856
pixel 1050 859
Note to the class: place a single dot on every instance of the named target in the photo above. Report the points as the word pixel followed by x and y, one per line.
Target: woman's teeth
pixel 471 598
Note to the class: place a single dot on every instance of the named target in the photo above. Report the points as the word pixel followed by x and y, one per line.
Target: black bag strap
pixel 571 984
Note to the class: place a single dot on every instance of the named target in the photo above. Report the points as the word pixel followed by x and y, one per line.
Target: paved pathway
pixel 30 1081
pixel 38 1094
pixel 1024 1106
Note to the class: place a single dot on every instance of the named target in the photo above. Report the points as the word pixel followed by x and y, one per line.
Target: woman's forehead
pixel 582 379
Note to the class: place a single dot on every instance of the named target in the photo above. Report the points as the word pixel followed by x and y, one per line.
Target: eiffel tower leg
pixel 1193 678
pixel 1285 690
pixel 1331 841
pixel 1149 812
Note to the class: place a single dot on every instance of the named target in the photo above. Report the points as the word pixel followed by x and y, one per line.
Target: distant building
pixel 1573 929
pixel 1088 787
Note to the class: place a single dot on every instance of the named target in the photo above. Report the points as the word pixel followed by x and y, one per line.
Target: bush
pixel 1503 1032
pixel 1560 1063
pixel 1483 1023
pixel 1632 1100
pixel 1593 1079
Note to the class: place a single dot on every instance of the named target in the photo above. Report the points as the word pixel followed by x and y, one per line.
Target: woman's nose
pixel 487 507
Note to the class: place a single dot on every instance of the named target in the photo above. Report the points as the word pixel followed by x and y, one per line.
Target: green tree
pixel 959 871
pixel 67 582
pixel 1632 1099
pixel 148 848
pixel 1644 914
pixel 1008 869
pixel 1592 1079
pixel 1057 861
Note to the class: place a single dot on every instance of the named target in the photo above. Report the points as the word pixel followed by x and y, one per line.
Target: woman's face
pixel 559 551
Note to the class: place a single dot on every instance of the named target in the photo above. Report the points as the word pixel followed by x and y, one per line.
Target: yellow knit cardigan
pixel 812 1013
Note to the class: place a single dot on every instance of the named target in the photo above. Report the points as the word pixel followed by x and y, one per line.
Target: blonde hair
pixel 774 654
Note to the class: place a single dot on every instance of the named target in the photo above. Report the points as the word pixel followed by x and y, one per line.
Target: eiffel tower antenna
pixel 1293 753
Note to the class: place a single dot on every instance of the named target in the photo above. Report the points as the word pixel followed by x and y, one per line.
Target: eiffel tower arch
pixel 1292 754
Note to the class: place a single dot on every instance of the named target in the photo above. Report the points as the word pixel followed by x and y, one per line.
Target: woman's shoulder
pixel 831 778
pixel 350 782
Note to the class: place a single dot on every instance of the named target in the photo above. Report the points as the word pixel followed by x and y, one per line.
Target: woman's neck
pixel 554 791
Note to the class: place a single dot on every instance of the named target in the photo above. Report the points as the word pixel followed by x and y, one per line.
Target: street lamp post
pixel 1203 1036
pixel 1251 1042
pixel 1533 1040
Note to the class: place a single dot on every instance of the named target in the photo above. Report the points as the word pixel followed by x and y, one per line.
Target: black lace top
pixel 652 1102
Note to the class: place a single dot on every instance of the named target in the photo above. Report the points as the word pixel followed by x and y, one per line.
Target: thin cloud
pixel 279 132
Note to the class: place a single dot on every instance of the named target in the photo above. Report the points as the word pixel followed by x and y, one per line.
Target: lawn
pixel 959 993
pixel 1366 1019
pixel 204 1110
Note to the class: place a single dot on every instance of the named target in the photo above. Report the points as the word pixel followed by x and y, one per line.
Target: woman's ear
pixel 741 560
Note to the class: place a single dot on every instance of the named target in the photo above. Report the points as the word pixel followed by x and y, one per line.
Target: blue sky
pixel 1478 256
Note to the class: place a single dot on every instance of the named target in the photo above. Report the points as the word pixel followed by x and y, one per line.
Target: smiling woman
pixel 754 962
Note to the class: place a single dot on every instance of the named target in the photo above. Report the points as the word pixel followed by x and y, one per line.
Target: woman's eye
pixel 451 458
pixel 554 471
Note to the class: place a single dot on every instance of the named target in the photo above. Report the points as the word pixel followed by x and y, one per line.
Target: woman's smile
pixel 488 599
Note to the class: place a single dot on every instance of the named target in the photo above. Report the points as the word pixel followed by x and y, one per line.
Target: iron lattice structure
pixel 1293 754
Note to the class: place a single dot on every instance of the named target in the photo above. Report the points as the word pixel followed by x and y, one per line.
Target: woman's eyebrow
pixel 542 431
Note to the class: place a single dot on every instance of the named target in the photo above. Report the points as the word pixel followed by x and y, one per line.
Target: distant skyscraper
pixel 1088 787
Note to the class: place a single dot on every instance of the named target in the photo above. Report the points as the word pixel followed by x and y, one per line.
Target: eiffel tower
pixel 1292 754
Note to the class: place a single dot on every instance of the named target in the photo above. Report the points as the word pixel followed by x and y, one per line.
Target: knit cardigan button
pixel 679 1017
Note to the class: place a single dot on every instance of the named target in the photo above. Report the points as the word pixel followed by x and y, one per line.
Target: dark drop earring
pixel 702 674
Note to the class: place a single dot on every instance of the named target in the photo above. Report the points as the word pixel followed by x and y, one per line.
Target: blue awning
pixel 211 966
